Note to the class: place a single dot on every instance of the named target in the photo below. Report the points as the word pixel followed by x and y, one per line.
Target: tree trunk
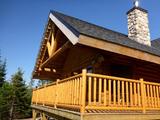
pixel 11 111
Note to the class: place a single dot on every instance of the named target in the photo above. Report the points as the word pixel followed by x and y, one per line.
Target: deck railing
pixel 88 91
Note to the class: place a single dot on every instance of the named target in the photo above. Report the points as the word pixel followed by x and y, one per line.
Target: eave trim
pixel 68 33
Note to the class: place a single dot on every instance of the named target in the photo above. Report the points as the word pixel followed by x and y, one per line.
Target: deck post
pixel 34 114
pixel 143 94
pixel 83 85
pixel 56 95
pixel 43 116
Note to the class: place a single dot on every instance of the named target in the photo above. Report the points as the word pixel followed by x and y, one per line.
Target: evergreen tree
pixel 21 97
pixel 6 95
pixel 2 71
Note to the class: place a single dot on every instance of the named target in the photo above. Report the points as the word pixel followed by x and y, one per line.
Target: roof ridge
pixel 56 12
pixel 157 39
pixel 99 32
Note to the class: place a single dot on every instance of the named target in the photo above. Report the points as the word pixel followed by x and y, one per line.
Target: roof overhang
pixel 119 49
pixel 68 33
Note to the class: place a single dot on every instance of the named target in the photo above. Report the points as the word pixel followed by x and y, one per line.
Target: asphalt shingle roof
pixel 78 27
pixel 156 43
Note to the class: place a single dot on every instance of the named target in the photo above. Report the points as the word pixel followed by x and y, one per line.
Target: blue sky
pixel 22 24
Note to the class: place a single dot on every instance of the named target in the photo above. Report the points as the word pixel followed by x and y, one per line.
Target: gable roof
pixel 77 30
pixel 78 27
pixel 156 43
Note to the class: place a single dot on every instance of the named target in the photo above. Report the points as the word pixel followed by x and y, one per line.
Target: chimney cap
pixel 138 8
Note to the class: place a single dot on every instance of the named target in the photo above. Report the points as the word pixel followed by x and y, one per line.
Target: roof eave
pixel 66 31
pixel 119 49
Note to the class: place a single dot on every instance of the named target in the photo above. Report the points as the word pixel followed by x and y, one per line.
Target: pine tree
pixel 2 71
pixel 6 95
pixel 21 98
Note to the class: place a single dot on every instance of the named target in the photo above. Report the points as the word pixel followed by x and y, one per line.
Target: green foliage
pixel 6 95
pixel 15 96
pixel 21 96
pixel 2 71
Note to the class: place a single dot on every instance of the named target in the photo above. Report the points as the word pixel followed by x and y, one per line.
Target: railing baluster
pixel 127 97
pixel 143 95
pixel 89 90
pixel 100 90
pixel 119 93
pixel 151 90
pixel 135 95
pixel 105 93
pixel 148 92
pixel 123 98
pixel 109 86
pixel 75 86
pixel 138 94
pixel 72 92
pixel 114 92
pixel 95 89
pixel 80 94
pixel 68 92
pixel 56 94
pixel 157 96
pixel 154 98
pixel 36 97
pixel 78 91
pixel 131 94
pixel 63 97
pixel 53 94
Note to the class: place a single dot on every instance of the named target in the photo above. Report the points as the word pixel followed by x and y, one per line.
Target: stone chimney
pixel 138 28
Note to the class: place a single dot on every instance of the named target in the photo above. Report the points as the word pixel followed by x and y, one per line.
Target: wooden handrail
pixel 152 83
pixel 69 78
pixel 112 78
pixel 104 92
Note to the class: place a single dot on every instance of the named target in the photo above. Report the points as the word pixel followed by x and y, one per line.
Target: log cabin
pixel 97 73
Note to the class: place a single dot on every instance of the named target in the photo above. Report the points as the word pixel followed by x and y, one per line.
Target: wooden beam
pixel 57 53
pixel 46 75
pixel 115 48
pixel 53 45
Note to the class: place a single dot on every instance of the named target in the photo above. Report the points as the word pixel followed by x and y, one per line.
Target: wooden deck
pixel 63 114
pixel 88 93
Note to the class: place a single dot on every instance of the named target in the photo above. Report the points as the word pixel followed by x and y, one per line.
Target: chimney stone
pixel 138 27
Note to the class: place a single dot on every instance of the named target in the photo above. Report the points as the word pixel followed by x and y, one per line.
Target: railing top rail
pixel 45 85
pixel 54 83
pixel 151 83
pixel 66 79
pixel 112 78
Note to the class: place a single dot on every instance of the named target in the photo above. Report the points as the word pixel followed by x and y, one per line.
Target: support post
pixel 56 95
pixel 143 94
pixel 83 88
pixel 34 114
pixel 43 116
